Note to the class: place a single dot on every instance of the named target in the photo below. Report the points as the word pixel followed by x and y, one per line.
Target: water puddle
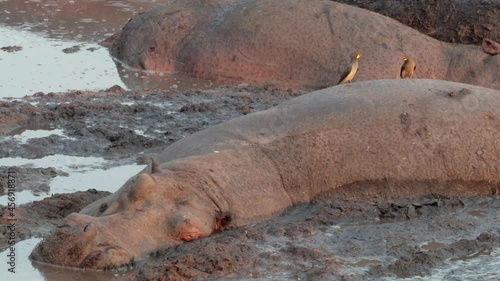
pixel 82 20
pixel 42 65
pixel 84 173
pixel 56 48
pixel 26 135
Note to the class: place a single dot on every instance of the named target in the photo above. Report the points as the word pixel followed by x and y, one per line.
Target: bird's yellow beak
pixel 358 56
pixel 405 58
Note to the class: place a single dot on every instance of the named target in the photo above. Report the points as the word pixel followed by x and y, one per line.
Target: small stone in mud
pixel 11 49
pixel 246 109
pixel 487 237
pixel 71 50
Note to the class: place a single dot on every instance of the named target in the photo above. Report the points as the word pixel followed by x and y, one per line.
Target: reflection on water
pixel 44 28
pixel 31 134
pixel 42 65
pixel 81 20
pixel 84 173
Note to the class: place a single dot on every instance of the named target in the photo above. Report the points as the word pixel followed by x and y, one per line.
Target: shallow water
pixel 60 50
pixel 84 173
pixel 30 134
pixel 42 66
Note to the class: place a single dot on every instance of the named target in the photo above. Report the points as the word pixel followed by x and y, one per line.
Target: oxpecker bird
pixel 407 68
pixel 349 73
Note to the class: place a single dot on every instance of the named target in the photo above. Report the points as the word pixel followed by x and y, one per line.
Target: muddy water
pixel 60 51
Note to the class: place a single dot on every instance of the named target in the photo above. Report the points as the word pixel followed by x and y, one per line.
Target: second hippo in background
pixel 297 44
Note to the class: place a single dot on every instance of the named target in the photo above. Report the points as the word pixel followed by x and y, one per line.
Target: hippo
pixel 372 140
pixel 290 43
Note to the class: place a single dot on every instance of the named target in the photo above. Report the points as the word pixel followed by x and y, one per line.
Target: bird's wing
pixel 402 71
pixel 344 75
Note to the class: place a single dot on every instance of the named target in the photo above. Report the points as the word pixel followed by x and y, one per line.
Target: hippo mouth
pixel 103 256
pixel 108 257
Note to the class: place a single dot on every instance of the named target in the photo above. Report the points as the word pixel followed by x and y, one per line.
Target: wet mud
pixel 115 123
pixel 324 240
pixel 466 22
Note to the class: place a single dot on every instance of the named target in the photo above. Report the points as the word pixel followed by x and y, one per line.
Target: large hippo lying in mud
pixel 373 140
pixel 290 43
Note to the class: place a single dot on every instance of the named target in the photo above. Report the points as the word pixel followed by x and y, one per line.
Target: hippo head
pixel 149 212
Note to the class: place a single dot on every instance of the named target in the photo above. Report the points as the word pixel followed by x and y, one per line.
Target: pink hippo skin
pixel 383 139
pixel 291 43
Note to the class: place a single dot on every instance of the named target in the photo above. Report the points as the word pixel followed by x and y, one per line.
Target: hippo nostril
pixel 63 225
pixel 88 227
pixel 104 244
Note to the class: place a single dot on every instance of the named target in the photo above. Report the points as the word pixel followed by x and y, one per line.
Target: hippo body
pixel 291 43
pixel 373 140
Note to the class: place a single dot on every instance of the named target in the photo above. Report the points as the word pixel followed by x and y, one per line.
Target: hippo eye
pixel 103 207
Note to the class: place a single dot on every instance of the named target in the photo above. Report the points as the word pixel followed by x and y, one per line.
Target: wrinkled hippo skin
pixel 290 43
pixel 373 140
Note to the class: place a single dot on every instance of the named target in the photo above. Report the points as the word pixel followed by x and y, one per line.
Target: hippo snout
pixel 81 241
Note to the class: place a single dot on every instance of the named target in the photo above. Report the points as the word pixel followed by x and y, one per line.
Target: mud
pixel 466 22
pixel 37 179
pixel 11 49
pixel 333 240
pixel 118 123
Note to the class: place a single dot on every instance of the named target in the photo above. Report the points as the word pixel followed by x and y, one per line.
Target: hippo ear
pixel 222 221
pixel 155 167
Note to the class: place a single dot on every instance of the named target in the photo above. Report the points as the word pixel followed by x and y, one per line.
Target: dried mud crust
pixel 39 218
pixel 466 22
pixel 336 240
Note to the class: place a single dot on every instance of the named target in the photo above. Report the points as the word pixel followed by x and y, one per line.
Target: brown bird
pixel 407 68
pixel 349 73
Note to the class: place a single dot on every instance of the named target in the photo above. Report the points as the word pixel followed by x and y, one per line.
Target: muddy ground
pixel 454 21
pixel 324 240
